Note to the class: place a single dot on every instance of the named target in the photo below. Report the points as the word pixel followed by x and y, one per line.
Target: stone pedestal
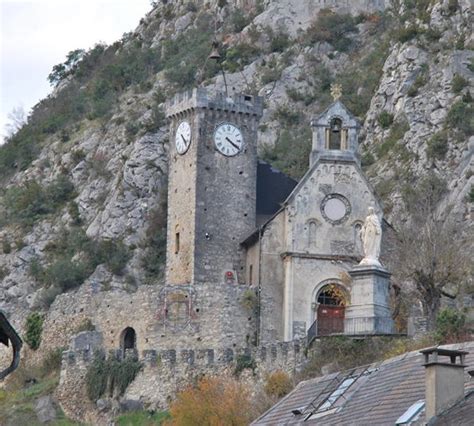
pixel 369 311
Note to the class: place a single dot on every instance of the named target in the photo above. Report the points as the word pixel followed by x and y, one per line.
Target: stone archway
pixel 331 301
pixel 128 340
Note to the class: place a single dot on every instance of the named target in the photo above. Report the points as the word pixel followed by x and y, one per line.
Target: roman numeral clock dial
pixel 228 139
pixel 183 137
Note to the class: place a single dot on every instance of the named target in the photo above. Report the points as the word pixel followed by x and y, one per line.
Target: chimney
pixel 444 379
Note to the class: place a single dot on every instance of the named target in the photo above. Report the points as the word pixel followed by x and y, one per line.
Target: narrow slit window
pixel 176 243
pixel 250 275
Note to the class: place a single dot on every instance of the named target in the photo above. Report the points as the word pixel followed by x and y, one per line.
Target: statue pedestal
pixel 369 311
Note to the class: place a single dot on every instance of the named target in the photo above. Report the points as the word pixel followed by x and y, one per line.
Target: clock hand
pixel 184 140
pixel 232 143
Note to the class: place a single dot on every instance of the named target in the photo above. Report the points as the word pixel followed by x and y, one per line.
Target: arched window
pixel 335 134
pixel 128 339
pixel 332 295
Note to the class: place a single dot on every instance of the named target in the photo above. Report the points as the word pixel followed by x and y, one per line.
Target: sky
pixel 35 35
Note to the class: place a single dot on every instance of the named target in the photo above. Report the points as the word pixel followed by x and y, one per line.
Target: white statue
pixel 371 235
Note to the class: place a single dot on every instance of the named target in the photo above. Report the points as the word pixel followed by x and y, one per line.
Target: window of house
pixel 251 275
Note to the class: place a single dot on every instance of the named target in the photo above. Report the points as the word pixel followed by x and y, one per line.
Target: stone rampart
pixel 167 371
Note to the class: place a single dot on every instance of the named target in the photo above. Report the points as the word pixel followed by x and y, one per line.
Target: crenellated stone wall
pixel 166 371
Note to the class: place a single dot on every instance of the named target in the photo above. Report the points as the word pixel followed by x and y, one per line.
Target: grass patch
pixel 143 418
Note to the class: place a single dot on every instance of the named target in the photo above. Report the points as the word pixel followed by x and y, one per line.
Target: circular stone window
pixel 335 208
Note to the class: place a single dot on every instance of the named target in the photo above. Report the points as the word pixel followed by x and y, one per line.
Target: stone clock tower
pixel 212 185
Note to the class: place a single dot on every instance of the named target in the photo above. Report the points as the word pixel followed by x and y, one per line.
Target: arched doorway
pixel 128 340
pixel 331 302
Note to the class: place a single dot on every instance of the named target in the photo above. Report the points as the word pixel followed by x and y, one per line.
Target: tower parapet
pixel 200 97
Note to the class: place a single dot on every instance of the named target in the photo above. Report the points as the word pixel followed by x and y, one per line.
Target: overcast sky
pixel 35 35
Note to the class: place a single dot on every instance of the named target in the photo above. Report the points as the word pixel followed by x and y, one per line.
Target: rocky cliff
pixel 84 181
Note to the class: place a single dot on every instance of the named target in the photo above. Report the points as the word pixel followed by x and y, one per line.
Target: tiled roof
pixel 379 397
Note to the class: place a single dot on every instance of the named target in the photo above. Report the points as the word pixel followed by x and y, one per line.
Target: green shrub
pixel 420 80
pixel 114 253
pixel 4 272
pixel 244 362
pixel 66 273
pixel 270 72
pixel 238 20
pixel 360 79
pixel 332 28
pixel 461 117
pixel 397 131
pixel 240 55
pixel 31 201
pixel 458 83
pixel 367 159
pixel 450 326
pixel 110 374
pixel 471 194
pixel 287 116
pixel 437 146
pixel 249 300
pixel 385 119
pixel 405 34
pixel 279 40
pixel 6 246
pixel 186 54
pixel 52 361
pixel 291 151
pixel 97 377
pixel 33 330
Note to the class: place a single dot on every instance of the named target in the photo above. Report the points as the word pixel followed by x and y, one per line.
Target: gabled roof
pixel 384 394
pixel 337 108
pixel 308 174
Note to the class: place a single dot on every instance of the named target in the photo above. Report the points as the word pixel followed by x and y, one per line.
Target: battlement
pixel 202 98
pixel 277 354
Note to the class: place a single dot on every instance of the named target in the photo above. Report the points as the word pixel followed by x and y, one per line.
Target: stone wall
pixel 165 317
pixel 167 371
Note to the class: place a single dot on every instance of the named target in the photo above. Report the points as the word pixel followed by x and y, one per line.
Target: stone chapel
pixel 235 222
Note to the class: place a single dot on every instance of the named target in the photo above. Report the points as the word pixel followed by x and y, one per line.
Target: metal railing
pixel 325 327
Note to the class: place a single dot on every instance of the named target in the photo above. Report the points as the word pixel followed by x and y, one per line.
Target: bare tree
pixel 17 119
pixel 434 253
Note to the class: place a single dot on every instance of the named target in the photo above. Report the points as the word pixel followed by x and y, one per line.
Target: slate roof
pixel 379 397
pixel 273 187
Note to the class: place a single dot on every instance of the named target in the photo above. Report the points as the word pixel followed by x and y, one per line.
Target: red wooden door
pixel 330 319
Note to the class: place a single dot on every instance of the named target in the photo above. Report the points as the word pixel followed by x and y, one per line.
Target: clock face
pixel 228 139
pixel 183 137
